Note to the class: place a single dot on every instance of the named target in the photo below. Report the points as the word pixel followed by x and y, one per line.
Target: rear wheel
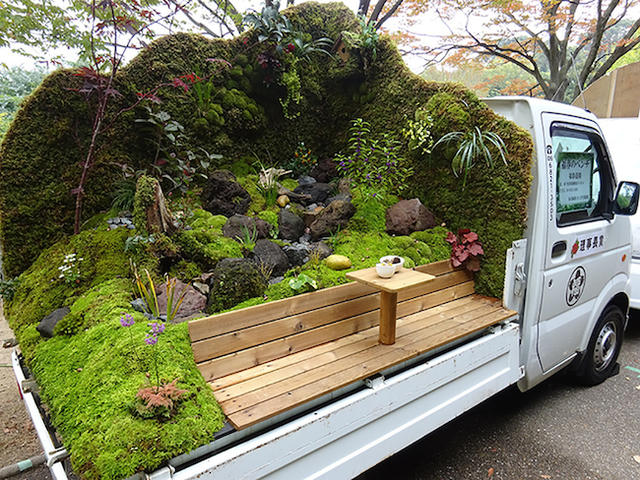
pixel 599 362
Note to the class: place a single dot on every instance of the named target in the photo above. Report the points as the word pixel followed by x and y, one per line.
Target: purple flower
pixel 151 339
pixel 156 328
pixel 126 320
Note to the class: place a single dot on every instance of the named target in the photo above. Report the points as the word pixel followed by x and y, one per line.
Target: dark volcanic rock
pixel 290 226
pixel 270 255
pixel 238 225
pixel 48 323
pixel 222 195
pixel 297 253
pixel 234 280
pixel 335 216
pixel 324 171
pixel 408 216
pixel 319 192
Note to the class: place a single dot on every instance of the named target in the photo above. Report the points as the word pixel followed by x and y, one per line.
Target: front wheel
pixel 599 362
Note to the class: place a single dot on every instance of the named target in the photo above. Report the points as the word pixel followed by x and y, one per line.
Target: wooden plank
pixel 443 281
pixel 237 361
pixel 439 268
pixel 393 355
pixel 235 341
pixel 309 373
pixel 401 280
pixel 339 349
pixel 249 337
pixel 247 317
pixel 334 345
pixel 229 321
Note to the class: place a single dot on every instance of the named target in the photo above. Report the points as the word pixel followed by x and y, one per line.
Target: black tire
pixel 600 358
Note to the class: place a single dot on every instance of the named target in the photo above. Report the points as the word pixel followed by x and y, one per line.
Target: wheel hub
pixel 605 346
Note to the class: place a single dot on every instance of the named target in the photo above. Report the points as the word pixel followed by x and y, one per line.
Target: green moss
pixel 370 213
pixel 289 183
pixel 448 114
pixel 204 244
pixel 145 196
pixel 185 271
pixel 250 184
pixel 41 291
pixel 102 303
pixel 94 376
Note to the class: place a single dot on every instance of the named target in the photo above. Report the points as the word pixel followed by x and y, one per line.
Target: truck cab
pixel 578 245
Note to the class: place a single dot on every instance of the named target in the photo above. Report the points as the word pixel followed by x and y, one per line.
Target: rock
pixel 139 305
pixel 194 301
pixel 48 323
pixel 290 226
pixel 296 197
pixel 203 288
pixel 344 186
pixel 306 180
pixel 297 253
pixel 408 216
pixel 319 192
pixel 323 250
pixel 310 216
pixel 269 255
pixel 325 170
pixel 204 278
pixel 238 225
pixel 338 262
pixel 334 217
pixel 340 196
pixel 234 280
pixel 222 195
pixel 274 280
pixel 283 201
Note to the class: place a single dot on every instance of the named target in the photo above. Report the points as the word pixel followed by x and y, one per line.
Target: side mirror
pixel 626 202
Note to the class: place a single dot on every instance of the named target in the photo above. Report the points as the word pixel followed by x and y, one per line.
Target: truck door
pixel 583 244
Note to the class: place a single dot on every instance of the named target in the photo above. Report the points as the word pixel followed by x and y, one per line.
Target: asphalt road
pixel 557 431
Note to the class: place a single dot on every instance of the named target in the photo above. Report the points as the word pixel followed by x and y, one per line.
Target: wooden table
pixel 389 289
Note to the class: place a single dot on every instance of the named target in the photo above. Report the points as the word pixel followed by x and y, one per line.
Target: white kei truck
pixel 567 282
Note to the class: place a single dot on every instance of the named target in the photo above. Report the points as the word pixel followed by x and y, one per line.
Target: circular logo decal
pixel 575 287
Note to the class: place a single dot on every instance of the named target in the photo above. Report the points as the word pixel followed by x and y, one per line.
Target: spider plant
pixel 473 146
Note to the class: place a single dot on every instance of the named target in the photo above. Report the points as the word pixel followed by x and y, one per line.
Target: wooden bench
pixel 264 360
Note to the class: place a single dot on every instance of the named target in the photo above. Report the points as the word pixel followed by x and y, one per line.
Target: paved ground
pixel 558 431
pixel 18 440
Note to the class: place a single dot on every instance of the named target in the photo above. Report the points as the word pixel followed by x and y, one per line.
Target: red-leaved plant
pixel 465 249
pixel 158 401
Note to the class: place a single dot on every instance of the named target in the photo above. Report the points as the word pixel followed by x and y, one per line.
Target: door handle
pixel 558 249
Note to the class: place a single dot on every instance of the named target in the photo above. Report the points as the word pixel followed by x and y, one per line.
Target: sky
pixel 11 59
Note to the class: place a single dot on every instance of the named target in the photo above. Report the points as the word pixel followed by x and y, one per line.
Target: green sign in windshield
pixel 575 173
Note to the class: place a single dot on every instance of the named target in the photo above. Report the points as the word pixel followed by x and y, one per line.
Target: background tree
pixel 565 45
pixel 15 84
pixel 53 30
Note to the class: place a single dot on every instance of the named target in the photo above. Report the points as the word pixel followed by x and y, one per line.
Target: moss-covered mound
pixel 85 385
pixel 93 367
pixel 40 154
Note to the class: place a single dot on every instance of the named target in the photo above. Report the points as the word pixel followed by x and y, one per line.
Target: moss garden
pixel 263 173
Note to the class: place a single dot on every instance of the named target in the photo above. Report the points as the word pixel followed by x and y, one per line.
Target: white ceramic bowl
pixel 385 271
pixel 398 266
